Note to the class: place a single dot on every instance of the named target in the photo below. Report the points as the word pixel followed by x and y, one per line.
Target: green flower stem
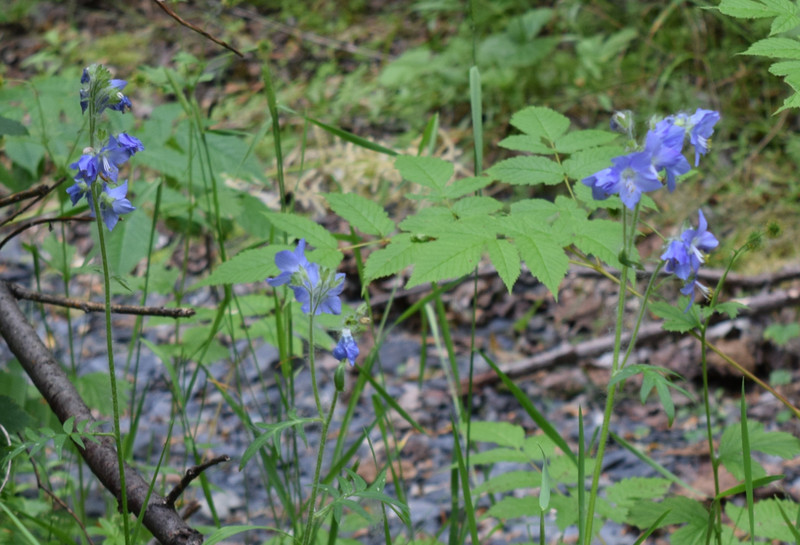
pixel 326 422
pixel 642 310
pixel 111 370
pixel 312 363
pixel 710 436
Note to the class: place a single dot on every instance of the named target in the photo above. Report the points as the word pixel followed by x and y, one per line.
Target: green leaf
pixel 525 170
pixel 541 122
pixel 10 127
pixel 430 172
pixel 430 222
pixel 365 215
pixel 748 9
pixel 506 261
pixel 271 430
pixel 451 256
pixel 674 318
pixel 769 523
pixel 25 152
pixel 590 161
pixel 13 417
pixel 504 434
pixel 128 243
pixel 600 238
pixel 227 532
pixel 775 443
pixel 582 140
pixel 524 142
pixel 776 48
pixel 245 267
pixel 495 455
pixel 301 227
pixel 505 482
pixel 476 206
pixel 781 334
pixel 465 186
pixel 545 259
pixel 510 507
pixel 398 255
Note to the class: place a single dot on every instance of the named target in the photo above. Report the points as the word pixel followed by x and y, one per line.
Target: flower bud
pixel 338 378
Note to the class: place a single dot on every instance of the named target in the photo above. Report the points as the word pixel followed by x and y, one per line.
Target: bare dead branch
pixel 52 382
pixel 88 306
pixel 24 226
pixel 197 29
pixel 191 474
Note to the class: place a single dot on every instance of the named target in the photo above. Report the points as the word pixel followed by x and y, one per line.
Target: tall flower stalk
pixel 318 290
pixel 97 180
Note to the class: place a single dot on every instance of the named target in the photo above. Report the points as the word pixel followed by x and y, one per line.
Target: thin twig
pixel 87 306
pixel 58 500
pixel 199 30
pixel 36 194
pixel 38 191
pixel 23 226
pixel 191 474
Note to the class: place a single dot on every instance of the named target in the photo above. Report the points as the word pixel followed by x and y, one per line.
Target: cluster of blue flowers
pixel 317 289
pixel 97 93
pixel 684 256
pixel 640 171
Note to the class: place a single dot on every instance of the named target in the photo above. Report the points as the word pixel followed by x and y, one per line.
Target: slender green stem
pixel 709 434
pixel 111 370
pixel 312 364
pixel 326 422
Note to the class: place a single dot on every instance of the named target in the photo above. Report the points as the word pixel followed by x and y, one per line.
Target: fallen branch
pixel 567 353
pixel 50 379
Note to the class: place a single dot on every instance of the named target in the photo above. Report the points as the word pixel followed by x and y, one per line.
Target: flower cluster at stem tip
pixel 317 289
pixel 640 171
pixel 97 93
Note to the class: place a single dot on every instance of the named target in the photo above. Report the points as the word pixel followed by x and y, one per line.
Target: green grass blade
pixel 748 468
pixel 581 477
pixel 653 528
pixel 476 105
pixel 532 411
pixel 466 494
pixel 427 143
pixel 21 527
pixel 393 404
pixel 792 527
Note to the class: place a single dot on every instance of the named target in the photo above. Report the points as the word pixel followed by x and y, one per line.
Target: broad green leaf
pixel 506 261
pixel 781 334
pixel 510 480
pixel 504 434
pixel 681 510
pixel 398 255
pixel 128 243
pixel 495 455
pixel 301 227
pixel 769 523
pixel 365 215
pixel 775 443
pixel 25 152
pixel 476 206
pixel 581 140
pixel 785 68
pixel 526 170
pixel 465 186
pixel 10 127
pixel 245 267
pixel 541 122
pixel 748 9
pixel 776 48
pixel 451 256
pixel 674 318
pixel 13 417
pixel 525 142
pixel 430 172
pixel 545 259
pixel 429 222
pixel 510 507
pixel 587 162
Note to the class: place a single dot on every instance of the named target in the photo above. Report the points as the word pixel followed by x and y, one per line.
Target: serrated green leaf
pixel 506 261
pixel 365 215
pixel 398 255
pixel 128 243
pixel 510 507
pixel 510 480
pixel 476 206
pixel 681 510
pixel 504 434
pixel 541 122
pixel 785 68
pixel 587 162
pixel 524 142
pixel 527 170
pixel 500 454
pixel 430 172
pixel 545 259
pixel 582 140
pixel 465 186
pixel 746 9
pixel 429 221
pixel 674 318
pixel 10 127
pixel 602 239
pixel 769 523
pixel 451 256
pixel 245 267
pixel 775 443
pixel 730 308
pixel 302 227
pixel 776 48
pixel 780 334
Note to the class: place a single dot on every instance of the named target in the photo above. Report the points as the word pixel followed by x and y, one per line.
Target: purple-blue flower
pixel 316 288
pixel 630 176
pixel 346 348
pixel 685 255
pixel 98 86
pixel 665 145
pixel 699 242
pixel 77 190
pixel 701 125
pixel 113 203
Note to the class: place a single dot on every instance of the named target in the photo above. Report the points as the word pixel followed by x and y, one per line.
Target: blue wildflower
pixel 634 175
pixel 113 203
pixel 665 145
pixel 97 86
pixel 346 348
pixel 698 242
pixel 289 262
pixel 701 127
pixel 685 255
